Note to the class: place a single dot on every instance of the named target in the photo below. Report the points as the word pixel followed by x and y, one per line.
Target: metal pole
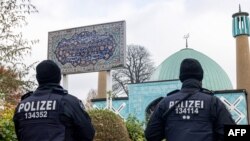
pixel 109 90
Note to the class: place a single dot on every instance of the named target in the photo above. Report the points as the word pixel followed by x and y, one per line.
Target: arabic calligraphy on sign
pixel 85 48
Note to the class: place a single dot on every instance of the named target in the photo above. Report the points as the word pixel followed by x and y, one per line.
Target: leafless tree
pixel 91 94
pixel 138 68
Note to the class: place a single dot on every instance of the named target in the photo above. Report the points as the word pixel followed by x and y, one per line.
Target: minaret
pixel 241 33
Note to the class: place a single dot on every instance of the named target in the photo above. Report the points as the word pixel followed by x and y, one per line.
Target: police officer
pixel 50 113
pixel 191 114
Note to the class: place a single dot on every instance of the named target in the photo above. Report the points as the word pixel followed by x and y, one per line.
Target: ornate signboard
pixel 89 48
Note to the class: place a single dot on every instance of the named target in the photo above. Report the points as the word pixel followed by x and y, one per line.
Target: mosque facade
pixel 166 79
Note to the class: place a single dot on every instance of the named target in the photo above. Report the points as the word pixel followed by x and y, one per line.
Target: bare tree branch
pixel 91 95
pixel 138 68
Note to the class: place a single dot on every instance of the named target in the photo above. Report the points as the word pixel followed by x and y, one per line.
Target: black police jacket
pixel 51 114
pixel 200 117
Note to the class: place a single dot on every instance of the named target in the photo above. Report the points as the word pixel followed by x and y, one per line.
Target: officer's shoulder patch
pixel 59 91
pixel 26 95
pixel 173 92
pixel 81 105
pixel 65 92
pixel 206 91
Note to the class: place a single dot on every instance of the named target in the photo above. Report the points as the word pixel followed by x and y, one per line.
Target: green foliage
pixel 7 129
pixel 108 126
pixel 13 49
pixel 135 128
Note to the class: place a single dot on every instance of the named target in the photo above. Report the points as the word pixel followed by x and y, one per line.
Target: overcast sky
pixel 158 25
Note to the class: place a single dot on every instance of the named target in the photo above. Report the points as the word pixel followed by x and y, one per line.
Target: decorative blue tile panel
pixel 119 106
pixel 236 104
pixel 89 48
pixel 140 95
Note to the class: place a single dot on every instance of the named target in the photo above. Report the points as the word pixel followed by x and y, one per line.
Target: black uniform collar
pixel 191 85
pixel 49 86
pixel 54 87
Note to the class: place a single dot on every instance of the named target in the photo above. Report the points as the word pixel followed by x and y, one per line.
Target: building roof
pixel 215 78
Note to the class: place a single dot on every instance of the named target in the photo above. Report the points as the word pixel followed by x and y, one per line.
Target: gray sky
pixel 158 25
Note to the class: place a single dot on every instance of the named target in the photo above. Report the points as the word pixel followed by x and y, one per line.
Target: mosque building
pixel 166 79
pixel 215 78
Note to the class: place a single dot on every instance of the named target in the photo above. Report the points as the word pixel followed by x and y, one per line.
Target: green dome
pixel 215 78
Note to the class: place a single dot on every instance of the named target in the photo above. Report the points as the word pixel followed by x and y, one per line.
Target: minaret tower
pixel 241 32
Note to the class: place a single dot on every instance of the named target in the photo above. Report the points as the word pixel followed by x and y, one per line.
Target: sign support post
pixel 65 81
pixel 109 90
